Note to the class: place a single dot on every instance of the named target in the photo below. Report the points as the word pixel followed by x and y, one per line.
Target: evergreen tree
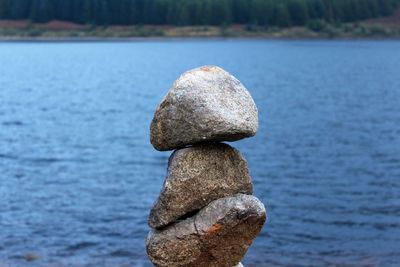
pixel 196 12
pixel 42 10
pixel 298 12
pixel 282 16
pixel 101 15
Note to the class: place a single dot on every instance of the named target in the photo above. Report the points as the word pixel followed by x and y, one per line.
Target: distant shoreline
pixel 181 38
pixel 59 31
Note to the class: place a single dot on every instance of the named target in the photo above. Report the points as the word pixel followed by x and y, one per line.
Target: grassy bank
pixel 317 29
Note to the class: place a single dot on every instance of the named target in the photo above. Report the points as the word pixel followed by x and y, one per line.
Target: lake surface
pixel 78 174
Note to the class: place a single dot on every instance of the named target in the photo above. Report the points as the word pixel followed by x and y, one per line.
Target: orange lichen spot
pixel 205 68
pixel 215 229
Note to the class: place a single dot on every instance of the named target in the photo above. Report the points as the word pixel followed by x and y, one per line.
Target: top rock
pixel 204 104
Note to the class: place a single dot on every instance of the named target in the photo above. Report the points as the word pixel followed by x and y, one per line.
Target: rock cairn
pixel 205 215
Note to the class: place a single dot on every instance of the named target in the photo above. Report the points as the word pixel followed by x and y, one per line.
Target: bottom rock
pixel 218 236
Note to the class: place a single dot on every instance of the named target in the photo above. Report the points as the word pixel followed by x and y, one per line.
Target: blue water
pixel 78 175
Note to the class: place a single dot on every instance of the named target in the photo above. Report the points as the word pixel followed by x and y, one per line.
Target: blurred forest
pixel 282 13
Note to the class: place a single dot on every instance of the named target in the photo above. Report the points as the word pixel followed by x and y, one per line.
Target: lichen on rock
pixel 205 215
pixel 204 104
pixel 218 236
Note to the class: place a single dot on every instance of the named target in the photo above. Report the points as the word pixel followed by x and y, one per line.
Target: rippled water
pixel 78 175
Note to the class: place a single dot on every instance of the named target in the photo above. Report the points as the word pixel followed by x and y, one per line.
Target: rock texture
pixel 205 215
pixel 204 104
pixel 196 176
pixel 218 236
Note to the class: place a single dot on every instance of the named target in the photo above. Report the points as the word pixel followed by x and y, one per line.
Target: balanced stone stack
pixel 205 214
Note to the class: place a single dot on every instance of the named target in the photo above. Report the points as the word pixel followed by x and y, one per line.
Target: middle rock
pixel 197 176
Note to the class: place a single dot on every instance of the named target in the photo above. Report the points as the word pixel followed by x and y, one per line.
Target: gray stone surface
pixel 204 104
pixel 218 236
pixel 196 176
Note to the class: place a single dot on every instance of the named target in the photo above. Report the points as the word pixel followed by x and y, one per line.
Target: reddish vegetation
pixel 147 27
pixel 60 25
pixel 65 25
pixel 237 27
pixel 14 24
pixel 392 21
pixel 52 25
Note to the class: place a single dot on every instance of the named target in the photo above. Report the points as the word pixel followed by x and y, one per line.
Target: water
pixel 78 175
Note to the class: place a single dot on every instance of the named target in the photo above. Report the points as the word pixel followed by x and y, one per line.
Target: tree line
pixel 281 13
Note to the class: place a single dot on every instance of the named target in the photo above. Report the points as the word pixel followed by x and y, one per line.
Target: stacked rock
pixel 205 214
